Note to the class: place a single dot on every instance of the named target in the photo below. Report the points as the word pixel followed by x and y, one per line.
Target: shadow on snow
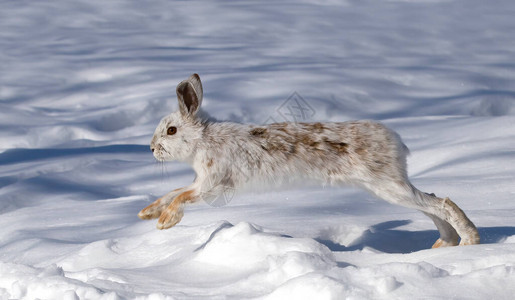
pixel 384 238
pixel 13 156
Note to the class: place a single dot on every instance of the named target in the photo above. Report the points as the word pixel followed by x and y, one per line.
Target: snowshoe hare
pixel 224 154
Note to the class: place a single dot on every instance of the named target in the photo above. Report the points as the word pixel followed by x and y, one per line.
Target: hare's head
pixel 177 134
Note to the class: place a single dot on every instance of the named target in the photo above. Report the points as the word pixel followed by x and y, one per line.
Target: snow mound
pixel 309 286
pixel 265 259
pixel 247 245
pixel 25 282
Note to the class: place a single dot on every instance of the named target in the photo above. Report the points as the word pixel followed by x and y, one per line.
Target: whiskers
pixel 161 168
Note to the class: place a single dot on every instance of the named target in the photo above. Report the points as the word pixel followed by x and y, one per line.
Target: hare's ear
pixel 189 94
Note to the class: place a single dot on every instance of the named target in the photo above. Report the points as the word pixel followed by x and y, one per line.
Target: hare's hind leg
pixel 155 209
pixel 447 216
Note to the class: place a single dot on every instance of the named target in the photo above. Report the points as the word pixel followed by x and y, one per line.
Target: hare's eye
pixel 171 130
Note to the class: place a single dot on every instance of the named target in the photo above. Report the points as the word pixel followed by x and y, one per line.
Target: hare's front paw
pixel 169 217
pixel 152 211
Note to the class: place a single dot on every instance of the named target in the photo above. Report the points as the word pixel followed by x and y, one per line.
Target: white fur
pixel 226 155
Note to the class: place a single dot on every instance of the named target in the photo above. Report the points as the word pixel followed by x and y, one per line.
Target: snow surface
pixel 84 83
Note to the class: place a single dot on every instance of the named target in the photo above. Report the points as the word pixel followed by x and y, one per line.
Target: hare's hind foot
pixel 453 224
pixel 471 240
pixel 441 243
pixel 465 228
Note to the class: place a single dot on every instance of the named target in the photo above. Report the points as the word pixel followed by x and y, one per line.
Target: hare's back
pixel 341 149
pixel 337 137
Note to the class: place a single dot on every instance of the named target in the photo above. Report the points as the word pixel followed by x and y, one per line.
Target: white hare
pixel 225 154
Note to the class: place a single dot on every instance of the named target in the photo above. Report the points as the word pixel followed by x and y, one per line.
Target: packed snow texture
pixel 84 83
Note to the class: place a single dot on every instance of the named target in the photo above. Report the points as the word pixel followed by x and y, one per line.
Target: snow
pixel 84 83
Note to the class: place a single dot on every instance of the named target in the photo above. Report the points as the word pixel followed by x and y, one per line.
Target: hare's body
pixel 227 155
